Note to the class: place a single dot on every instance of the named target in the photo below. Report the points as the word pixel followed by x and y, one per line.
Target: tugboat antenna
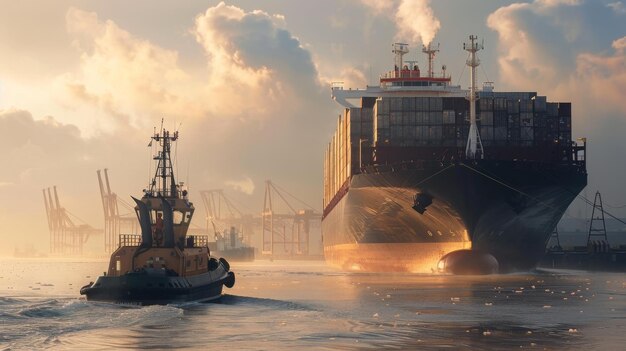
pixel 164 182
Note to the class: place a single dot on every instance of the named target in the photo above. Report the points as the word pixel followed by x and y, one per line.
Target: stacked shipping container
pixel 505 120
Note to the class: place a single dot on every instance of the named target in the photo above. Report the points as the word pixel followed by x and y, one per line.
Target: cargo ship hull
pixel 507 209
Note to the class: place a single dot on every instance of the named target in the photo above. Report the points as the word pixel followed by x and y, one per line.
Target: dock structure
pixel 286 230
pixel 599 254
pixel 115 223
pixel 66 236
pixel 597 225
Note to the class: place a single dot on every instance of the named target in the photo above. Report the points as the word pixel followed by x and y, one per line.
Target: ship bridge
pixel 405 79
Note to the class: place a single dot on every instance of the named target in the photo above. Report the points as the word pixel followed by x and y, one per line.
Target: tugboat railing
pixel 192 240
pixel 198 240
pixel 130 240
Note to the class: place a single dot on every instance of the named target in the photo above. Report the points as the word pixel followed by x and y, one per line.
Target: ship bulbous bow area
pixel 468 262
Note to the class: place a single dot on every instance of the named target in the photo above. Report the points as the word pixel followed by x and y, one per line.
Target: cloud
pixel 253 64
pixel 617 7
pixel 130 79
pixel 253 60
pixel 540 42
pixel 604 76
pixel 379 7
pixel 245 185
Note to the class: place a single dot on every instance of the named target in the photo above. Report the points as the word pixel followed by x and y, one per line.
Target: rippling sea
pixel 293 305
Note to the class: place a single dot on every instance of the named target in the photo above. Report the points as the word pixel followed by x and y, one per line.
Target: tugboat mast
pixel 164 170
pixel 474 148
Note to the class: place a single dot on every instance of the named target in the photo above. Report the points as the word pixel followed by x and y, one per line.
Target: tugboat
pixel 162 265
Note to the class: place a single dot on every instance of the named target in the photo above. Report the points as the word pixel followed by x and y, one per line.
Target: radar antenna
pixel 474 148
pixel 399 49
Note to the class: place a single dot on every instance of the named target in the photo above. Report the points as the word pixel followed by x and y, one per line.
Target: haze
pixel 247 84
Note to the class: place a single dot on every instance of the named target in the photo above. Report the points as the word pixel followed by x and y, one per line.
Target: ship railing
pixel 410 73
pixel 130 240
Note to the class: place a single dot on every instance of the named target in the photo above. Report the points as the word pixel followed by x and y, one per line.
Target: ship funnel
pixel 168 223
pixel 144 220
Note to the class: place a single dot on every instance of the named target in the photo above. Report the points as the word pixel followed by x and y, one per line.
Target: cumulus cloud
pixel 544 46
pixel 253 63
pixel 130 78
pixel 604 76
pixel 617 7
pixel 525 58
pixel 353 77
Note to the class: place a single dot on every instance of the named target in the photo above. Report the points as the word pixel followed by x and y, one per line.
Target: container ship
pixel 419 168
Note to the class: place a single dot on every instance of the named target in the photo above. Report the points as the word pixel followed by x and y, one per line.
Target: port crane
pixel 67 236
pixel 115 222
pixel 286 230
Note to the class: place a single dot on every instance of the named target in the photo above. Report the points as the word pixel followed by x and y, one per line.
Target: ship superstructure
pixel 418 168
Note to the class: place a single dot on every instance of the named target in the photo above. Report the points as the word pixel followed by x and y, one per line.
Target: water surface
pixel 291 305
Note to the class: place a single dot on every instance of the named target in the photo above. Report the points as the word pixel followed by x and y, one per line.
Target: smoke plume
pixel 416 21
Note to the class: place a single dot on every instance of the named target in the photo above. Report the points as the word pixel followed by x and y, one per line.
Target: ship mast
pixel 430 51
pixel 474 148
pixel 399 50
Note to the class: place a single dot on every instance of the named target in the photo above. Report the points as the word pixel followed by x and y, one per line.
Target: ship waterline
pixel 390 257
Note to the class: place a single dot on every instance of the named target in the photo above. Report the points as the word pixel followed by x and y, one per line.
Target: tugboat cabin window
pixel 179 217
pixel 154 215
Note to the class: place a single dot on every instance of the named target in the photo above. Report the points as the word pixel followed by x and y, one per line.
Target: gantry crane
pixel 222 214
pixel 286 230
pixel 115 223
pixel 66 237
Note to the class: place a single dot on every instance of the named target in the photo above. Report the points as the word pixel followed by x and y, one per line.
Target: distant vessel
pixel 419 169
pixel 230 245
pixel 163 264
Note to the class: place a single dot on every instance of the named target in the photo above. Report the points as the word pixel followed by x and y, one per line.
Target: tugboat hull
pixel 155 287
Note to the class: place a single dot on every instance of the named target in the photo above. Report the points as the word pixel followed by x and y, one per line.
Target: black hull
pixel 507 209
pixel 155 287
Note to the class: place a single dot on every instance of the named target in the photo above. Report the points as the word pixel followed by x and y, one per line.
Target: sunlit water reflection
pixel 295 305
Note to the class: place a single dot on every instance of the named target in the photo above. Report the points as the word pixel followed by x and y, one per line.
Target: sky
pixel 247 83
